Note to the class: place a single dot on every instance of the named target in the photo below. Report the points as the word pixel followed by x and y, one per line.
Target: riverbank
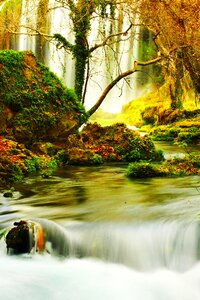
pixel 17 162
pixel 94 145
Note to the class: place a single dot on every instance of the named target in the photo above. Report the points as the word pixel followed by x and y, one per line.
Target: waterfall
pixel 108 62
pixel 27 39
pixel 105 64
pixel 59 60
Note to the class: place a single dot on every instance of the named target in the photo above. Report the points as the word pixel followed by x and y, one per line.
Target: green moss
pixel 120 143
pixel 35 95
pixel 190 135
pixel 189 165
pixel 143 170
pixel 62 156
pixel 164 133
pixel 97 159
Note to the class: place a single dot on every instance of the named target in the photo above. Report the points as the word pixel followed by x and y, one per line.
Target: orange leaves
pixel 6 148
pixel 4 145
pixel 15 158
pixel 104 150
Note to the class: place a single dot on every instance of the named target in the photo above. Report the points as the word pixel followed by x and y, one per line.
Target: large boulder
pixel 34 104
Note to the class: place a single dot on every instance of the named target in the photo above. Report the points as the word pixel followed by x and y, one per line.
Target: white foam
pixel 74 279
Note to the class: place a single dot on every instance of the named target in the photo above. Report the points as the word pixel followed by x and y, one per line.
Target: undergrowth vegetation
pixel 189 165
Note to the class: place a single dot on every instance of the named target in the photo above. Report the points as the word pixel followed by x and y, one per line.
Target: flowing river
pixel 128 239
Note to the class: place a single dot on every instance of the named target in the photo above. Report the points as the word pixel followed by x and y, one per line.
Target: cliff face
pixel 34 104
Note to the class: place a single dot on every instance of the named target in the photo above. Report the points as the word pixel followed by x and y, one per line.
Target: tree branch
pixel 109 37
pixel 118 78
pixel 33 32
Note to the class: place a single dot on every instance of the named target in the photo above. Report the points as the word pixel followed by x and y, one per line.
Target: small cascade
pixel 56 239
pixel 145 247
pixel 149 246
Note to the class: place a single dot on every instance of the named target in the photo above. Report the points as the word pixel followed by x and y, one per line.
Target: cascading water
pixel 27 40
pixel 143 261
pixel 59 60
pixel 145 247
pixel 108 62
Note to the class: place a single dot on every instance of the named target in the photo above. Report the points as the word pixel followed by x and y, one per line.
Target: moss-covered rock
pixel 169 116
pixel 144 170
pixel 118 143
pixel 16 161
pixel 34 104
pixel 157 115
pixel 189 135
pixel 189 165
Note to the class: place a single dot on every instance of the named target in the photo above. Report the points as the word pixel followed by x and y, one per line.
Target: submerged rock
pixel 20 239
pixel 37 236
pixel 114 143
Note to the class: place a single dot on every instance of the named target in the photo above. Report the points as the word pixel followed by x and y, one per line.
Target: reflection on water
pixel 104 193
pixel 171 150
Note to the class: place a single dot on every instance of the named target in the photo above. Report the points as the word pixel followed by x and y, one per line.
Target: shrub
pixel 144 170
pixel 189 165
pixel 97 159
